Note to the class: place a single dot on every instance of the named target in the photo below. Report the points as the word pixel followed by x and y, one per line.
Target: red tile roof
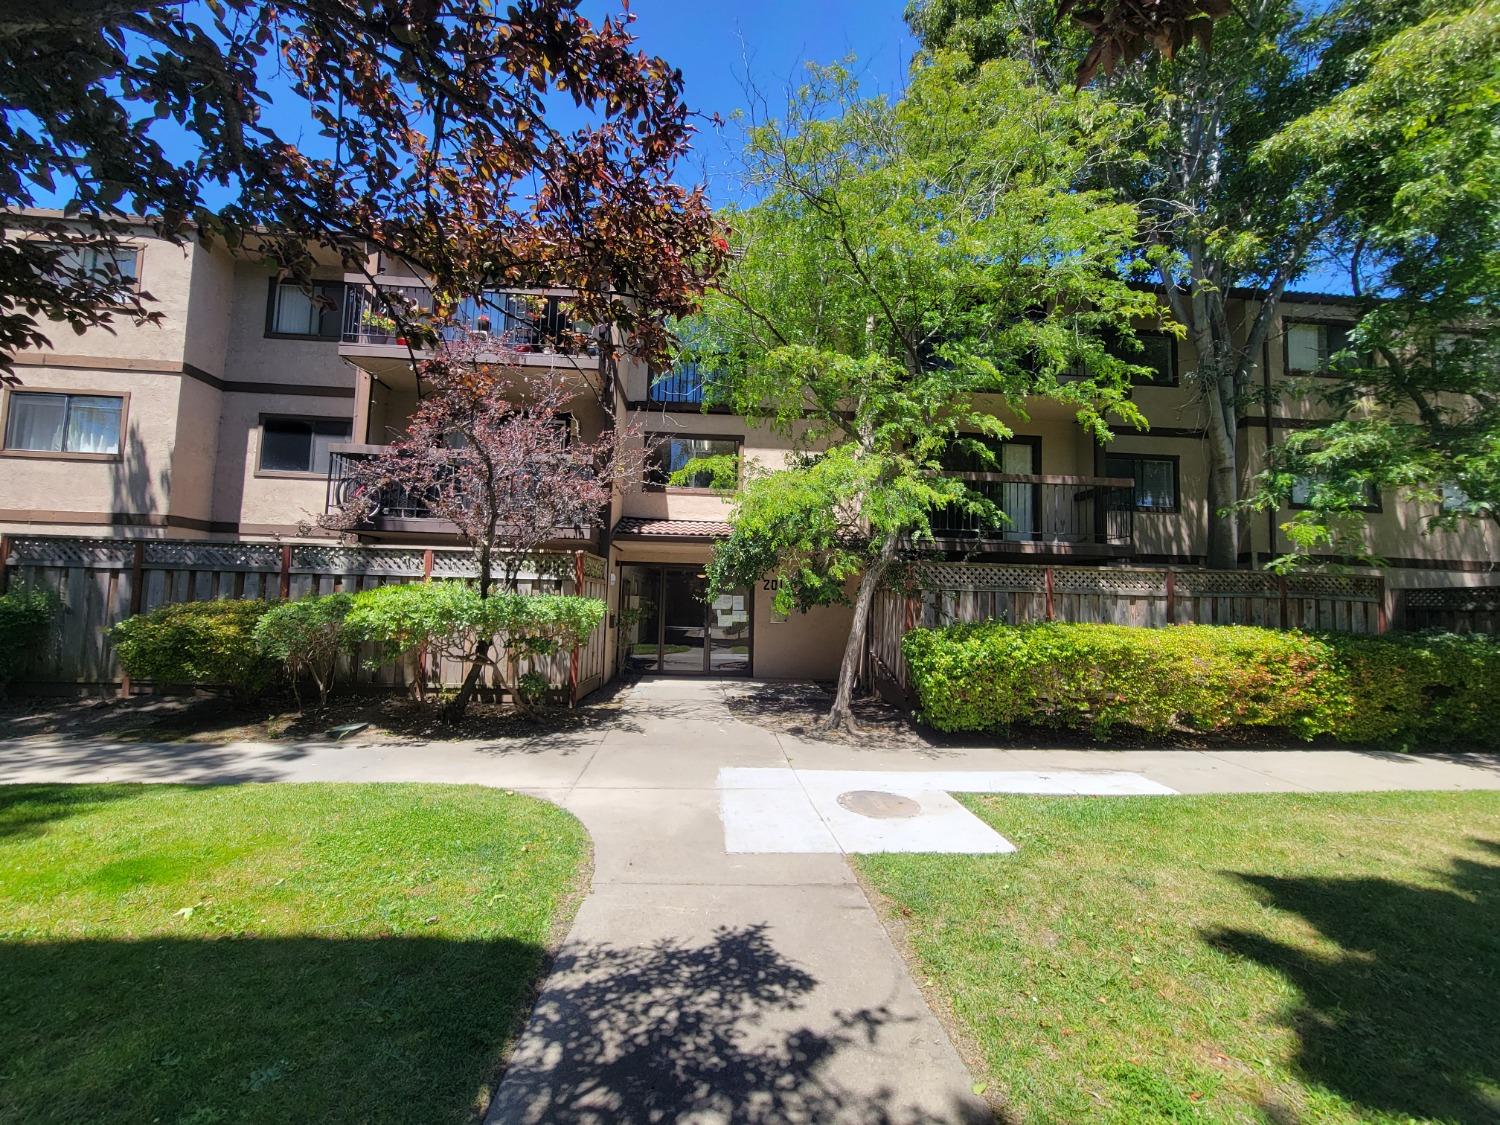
pixel 645 527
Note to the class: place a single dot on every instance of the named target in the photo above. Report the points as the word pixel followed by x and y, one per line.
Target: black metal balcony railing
pixel 386 504
pixel 517 322
pixel 1058 510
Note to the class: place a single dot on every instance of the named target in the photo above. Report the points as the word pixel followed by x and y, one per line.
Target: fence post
pixel 427 565
pixel 1049 593
pixel 286 571
pixel 4 562
pixel 1171 597
pixel 573 658
pixel 137 598
pixel 1380 618
pixel 1282 591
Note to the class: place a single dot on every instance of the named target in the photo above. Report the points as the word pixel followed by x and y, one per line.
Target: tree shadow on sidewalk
pixel 708 1032
pixel 1405 1018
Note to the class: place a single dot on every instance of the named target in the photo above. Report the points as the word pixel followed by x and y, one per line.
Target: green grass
pixel 1304 958
pixel 269 952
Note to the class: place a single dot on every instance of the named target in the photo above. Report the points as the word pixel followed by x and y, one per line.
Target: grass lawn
pixel 1279 958
pixel 270 952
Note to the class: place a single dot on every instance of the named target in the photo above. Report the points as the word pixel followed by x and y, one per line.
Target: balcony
pixel 398 511
pixel 526 328
pixel 1048 515
pixel 683 385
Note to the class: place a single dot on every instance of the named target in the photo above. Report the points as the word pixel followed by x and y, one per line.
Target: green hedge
pixel 198 644
pixel 1405 690
pixel 26 616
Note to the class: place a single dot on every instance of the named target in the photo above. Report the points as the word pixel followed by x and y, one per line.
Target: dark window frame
pixel 1375 504
pixel 273 287
pixel 1287 324
pixel 62 454
pixel 312 420
pixel 654 438
pixel 1175 460
pixel 1174 368
pixel 1032 440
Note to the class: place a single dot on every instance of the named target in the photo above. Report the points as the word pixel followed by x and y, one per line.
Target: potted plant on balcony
pixel 375 325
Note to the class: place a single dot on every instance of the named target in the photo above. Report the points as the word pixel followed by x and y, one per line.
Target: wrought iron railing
pixel 1063 510
pixel 517 322
pixel 381 503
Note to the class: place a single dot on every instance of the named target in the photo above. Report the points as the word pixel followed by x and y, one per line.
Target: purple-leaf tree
pixel 493 449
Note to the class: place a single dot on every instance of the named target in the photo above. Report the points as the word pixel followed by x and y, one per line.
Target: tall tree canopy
pixel 435 141
pixel 1409 161
pixel 1230 206
pixel 911 267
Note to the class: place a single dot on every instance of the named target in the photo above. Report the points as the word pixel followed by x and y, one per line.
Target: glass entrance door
pixel 668 626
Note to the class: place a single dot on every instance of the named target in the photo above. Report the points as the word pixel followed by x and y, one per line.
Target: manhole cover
pixel 881 806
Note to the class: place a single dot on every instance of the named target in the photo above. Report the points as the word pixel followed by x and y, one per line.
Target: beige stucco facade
pixel 197 389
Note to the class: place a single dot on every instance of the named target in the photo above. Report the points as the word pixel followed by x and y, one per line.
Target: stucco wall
pixel 267 503
pixel 137 483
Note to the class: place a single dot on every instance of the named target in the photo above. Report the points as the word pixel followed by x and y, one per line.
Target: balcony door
pixel 668 626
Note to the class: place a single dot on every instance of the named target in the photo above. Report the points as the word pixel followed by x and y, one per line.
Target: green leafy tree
pixel 1219 219
pixel 1409 159
pixel 911 268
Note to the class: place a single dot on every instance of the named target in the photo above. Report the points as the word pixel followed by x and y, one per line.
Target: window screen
pixel 63 423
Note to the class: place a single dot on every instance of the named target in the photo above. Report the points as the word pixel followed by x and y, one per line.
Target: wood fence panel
pixel 1457 609
pixel 96 581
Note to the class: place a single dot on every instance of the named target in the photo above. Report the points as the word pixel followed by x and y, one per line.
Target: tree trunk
pixel 840 714
pixel 1223 491
pixel 455 710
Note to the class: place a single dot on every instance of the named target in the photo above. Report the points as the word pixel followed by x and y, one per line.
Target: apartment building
pixel 237 417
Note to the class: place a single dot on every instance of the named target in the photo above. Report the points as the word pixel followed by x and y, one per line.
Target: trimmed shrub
pixel 26 616
pixel 197 644
pixel 307 636
pixel 1414 689
pixel 446 618
pixel 1391 691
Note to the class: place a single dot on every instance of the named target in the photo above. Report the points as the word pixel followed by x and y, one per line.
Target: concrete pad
pixel 676 836
pixel 687 754
pixel 791 811
pixel 714 1004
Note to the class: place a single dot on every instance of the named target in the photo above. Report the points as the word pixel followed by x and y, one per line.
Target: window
pixel 1159 353
pixel 1303 486
pixel 49 422
pixel 299 445
pixel 1455 499
pixel 98 265
pixel 1309 347
pixel 1155 479
pixel 685 383
pixel 671 452
pixel 295 312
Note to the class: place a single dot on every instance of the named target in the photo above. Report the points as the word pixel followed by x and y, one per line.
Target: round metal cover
pixel 880 806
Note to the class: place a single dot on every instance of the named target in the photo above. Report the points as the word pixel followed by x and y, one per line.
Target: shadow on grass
pixel 1405 1019
pixel 674 1031
pixel 393 1029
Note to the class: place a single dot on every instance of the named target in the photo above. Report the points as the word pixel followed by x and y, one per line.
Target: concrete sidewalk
pixel 702 985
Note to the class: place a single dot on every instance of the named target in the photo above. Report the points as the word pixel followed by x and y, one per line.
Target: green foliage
pixel 1408 158
pixel 197 644
pixel 447 618
pixel 26 617
pixel 721 472
pixel 1398 690
pixel 307 636
pixel 910 268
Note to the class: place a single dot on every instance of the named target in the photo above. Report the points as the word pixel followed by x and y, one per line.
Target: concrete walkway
pixel 699 984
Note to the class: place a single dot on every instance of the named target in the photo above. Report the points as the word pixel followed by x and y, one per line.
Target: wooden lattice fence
pixel 103 581
pixel 940 593
pixel 1462 609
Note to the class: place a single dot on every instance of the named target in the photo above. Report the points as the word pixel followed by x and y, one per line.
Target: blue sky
pixel 718 45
